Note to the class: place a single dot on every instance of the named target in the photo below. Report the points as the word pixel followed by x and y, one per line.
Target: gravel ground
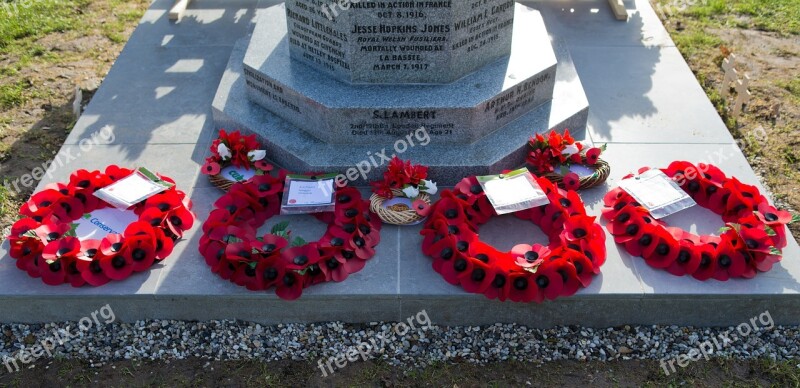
pixel 234 340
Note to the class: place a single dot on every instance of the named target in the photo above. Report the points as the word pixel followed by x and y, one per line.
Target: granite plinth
pixel 295 149
pixel 462 112
pixel 399 42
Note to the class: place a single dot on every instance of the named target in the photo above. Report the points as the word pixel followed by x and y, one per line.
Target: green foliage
pixel 35 18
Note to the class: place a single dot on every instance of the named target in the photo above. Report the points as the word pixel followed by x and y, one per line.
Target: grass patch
pixel 12 95
pixel 782 16
pixel 792 87
pixel 21 19
pixel 695 41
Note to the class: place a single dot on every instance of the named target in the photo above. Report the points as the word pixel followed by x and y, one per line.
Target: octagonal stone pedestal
pixel 399 42
pixel 299 148
pixel 461 112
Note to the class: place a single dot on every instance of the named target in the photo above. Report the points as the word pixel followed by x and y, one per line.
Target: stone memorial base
pixel 327 125
pixel 646 104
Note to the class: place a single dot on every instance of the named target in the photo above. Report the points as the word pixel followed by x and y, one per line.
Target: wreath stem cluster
pixel 751 242
pixel 575 252
pixel 232 248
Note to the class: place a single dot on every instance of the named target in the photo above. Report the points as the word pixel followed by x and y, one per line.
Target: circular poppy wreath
pixel 575 252
pixel 751 241
pixel 230 246
pixel 44 245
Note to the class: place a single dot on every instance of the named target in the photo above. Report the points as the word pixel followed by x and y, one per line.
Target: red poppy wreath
pixel 230 246
pixel 575 252
pixel 755 231
pixel 44 243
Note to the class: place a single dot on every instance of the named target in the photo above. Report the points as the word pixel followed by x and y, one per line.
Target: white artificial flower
pixel 571 149
pixel 411 192
pixel 256 155
pixel 430 187
pixel 223 151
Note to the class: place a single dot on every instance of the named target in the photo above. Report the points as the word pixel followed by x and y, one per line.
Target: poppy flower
pixel 756 239
pixel 53 272
pixel 583 268
pixel 263 165
pixel 290 286
pixel 299 258
pixel 469 186
pixel 140 252
pixel 480 209
pixel 68 209
pixel 529 257
pixel 266 185
pixel 25 251
pixel 568 273
pixel 500 287
pixel 112 244
pixel 443 251
pixel 730 263
pixel 213 251
pixel 743 198
pixel 431 237
pixel 592 155
pixel 179 220
pixel 572 181
pixel 479 277
pixel 46 199
pixel 549 280
pixel 164 244
pixel 708 262
pixel 51 232
pixel 421 207
pixel 245 275
pixel 63 248
pixel 579 227
pixel 85 183
pixel 452 269
pixel 115 173
pixel 239 252
pixel 627 226
pixel 165 201
pixel 270 245
pixel 269 271
pixel 88 263
pixel 522 288
pixel 644 241
pixel 663 251
pixel 451 211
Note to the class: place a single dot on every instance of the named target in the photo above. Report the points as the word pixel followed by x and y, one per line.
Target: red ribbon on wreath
pixel 43 245
pixel 575 252
pixel 751 241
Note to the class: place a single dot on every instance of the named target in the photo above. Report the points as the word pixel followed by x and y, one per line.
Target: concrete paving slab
pixel 156 95
pixel 645 102
pixel 645 95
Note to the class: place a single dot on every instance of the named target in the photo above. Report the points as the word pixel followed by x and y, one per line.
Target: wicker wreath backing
pixel 601 172
pixel 389 216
